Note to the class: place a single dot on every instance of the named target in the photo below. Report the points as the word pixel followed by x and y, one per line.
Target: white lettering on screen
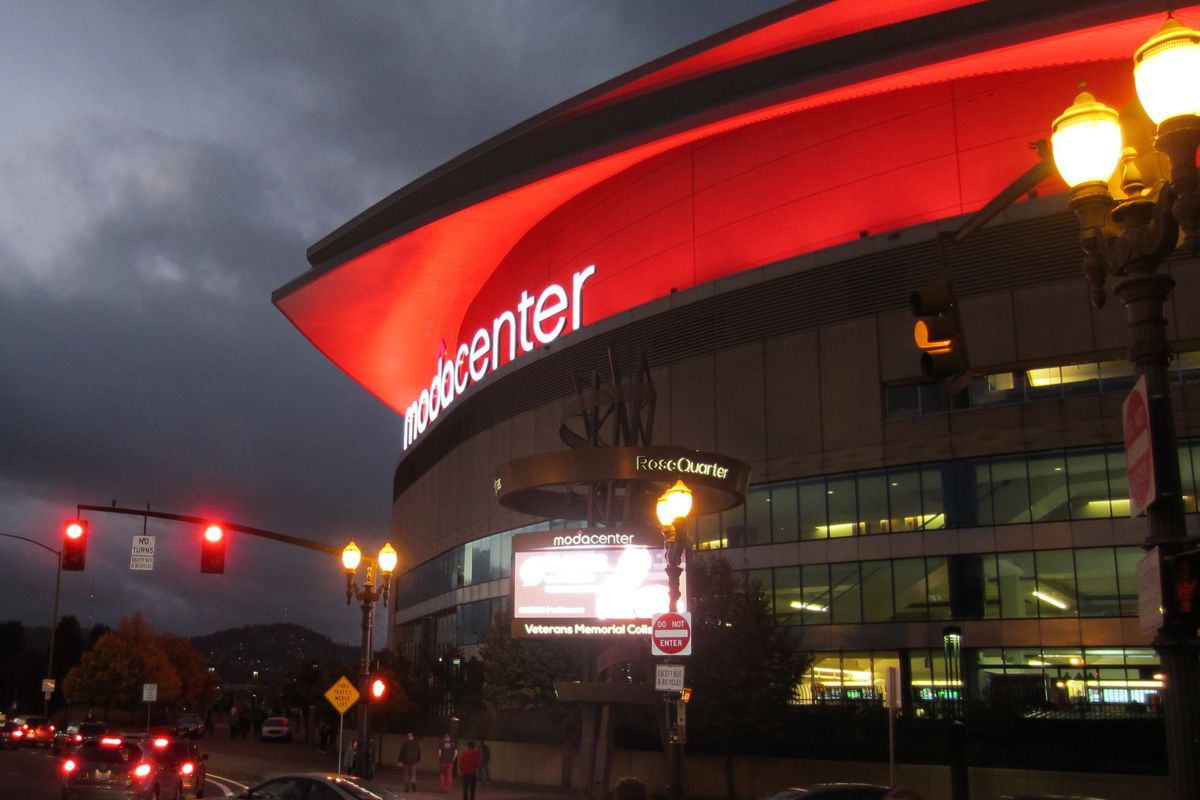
pixel 511 334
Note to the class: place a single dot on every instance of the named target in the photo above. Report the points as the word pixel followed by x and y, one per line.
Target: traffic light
pixel 74 545
pixel 378 688
pixel 1185 585
pixel 938 330
pixel 212 550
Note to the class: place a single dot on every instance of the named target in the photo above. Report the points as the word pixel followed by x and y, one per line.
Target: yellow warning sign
pixel 342 695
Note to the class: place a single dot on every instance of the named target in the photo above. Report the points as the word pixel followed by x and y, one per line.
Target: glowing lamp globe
pixel 351 556
pixel 676 503
pixel 1087 142
pixel 387 559
pixel 1165 71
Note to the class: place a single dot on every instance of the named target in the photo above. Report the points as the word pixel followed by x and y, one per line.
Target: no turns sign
pixel 671 634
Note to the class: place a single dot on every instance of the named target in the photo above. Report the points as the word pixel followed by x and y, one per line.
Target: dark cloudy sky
pixel 164 166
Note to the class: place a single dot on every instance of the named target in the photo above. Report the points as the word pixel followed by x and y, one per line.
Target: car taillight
pixel 69 767
pixel 187 769
pixel 52 729
pixel 110 741
pixel 141 770
pixel 78 737
pixel 160 743
pixel 18 733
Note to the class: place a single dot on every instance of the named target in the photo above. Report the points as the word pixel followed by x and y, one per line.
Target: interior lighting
pixel 1054 376
pixel 1052 600
pixel 1033 662
pixel 1117 507
pixel 808 606
pixel 1086 141
pixel 1165 70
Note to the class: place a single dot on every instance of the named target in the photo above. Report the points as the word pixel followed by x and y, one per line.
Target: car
pixel 832 791
pixel 113 768
pixel 190 725
pixel 6 731
pixel 318 786
pixel 33 730
pixel 276 728
pixel 73 734
pixel 181 755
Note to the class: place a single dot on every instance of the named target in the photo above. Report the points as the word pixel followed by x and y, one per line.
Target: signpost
pixel 149 696
pixel 341 696
pixel 142 555
pixel 47 687
pixel 1150 599
pixel 1139 451
pixel 668 677
pixel 671 634
pixel 892 690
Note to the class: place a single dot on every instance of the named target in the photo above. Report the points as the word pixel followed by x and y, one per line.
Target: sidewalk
pixel 251 761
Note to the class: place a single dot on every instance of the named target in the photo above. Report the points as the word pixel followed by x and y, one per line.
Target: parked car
pixel 832 791
pixel 6 730
pixel 33 730
pixel 181 755
pixel 115 769
pixel 276 728
pixel 190 725
pixel 73 734
pixel 319 784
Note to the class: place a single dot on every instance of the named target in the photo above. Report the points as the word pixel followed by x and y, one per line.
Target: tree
pixel 744 666
pixel 112 672
pixel 197 686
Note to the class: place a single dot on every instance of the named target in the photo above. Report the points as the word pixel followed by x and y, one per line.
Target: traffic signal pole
pixel 54 619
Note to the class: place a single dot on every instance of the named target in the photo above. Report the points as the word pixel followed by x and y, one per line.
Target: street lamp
pixel 368 595
pixel 1130 237
pixel 54 622
pixel 672 510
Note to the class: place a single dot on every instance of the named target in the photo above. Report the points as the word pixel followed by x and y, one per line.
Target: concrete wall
pixel 542 765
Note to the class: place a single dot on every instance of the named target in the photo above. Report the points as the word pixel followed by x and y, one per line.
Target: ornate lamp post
pixel 368 595
pixel 1129 238
pixel 672 510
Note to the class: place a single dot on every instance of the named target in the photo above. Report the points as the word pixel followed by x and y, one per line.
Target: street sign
pixel 1150 599
pixel 47 686
pixel 1139 450
pixel 668 677
pixel 149 692
pixel 142 555
pixel 342 695
pixel 671 634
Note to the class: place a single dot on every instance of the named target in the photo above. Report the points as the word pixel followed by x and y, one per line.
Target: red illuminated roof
pixel 388 287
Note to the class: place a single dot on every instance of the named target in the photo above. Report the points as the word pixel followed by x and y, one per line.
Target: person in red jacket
pixel 468 765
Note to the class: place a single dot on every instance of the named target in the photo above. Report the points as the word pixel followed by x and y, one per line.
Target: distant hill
pixel 236 653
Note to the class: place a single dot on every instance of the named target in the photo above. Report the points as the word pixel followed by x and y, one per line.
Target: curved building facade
pixel 750 214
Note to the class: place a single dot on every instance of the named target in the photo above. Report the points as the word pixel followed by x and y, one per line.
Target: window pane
pixel 759 580
pixel 708 532
pixel 1010 490
pixel 991 587
pixel 1015 575
pixel 1127 561
pixel 1096 571
pixel 1048 487
pixel 843 510
pixel 996 388
pixel 1056 584
pixel 904 491
pixel 788 601
pixel 784 520
pixel 967 586
pixel 812 509
pixel 1118 481
pixel 1087 476
pixel 733 526
pixel 758 516
pixel 933 510
pixel 976 483
pixel 938 586
pixel 814 580
pixel 873 502
pixel 902 401
pixel 911 601
pixel 1187 477
pixel 847 603
pixel 877 591
pixel 933 398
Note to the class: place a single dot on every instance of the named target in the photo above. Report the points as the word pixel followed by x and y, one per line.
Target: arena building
pixel 751 214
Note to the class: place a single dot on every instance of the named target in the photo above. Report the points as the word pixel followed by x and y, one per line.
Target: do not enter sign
pixel 671 634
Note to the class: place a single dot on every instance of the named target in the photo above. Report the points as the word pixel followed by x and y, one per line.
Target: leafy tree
pixel 744 666
pixel 197 686
pixel 68 646
pixel 112 672
pixel 98 630
pixel 12 639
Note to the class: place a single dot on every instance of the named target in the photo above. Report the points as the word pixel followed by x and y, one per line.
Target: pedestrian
pixel 208 723
pixel 323 733
pixel 245 721
pixel 468 767
pixel 348 757
pixel 630 789
pixel 485 758
pixel 410 756
pixel 447 753
pixel 233 723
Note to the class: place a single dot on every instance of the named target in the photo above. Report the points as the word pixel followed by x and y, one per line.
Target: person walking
pixel 323 734
pixel 447 753
pixel 485 758
pixel 410 756
pixel 468 766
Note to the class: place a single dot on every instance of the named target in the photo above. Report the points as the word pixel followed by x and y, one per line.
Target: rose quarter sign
pixel 671 634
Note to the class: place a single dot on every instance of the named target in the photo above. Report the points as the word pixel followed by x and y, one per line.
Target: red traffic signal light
pixel 212 550
pixel 74 545
pixel 378 687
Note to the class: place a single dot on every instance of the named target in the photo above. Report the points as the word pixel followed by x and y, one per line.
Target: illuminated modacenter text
pixel 535 321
